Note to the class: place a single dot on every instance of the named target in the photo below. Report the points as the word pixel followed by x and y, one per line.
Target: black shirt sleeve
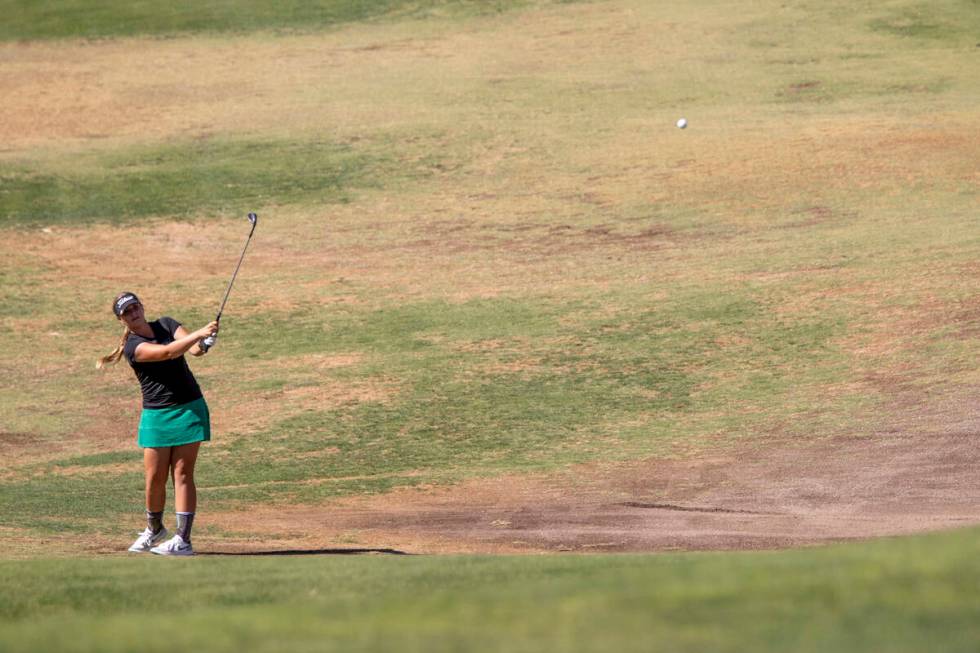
pixel 170 325
pixel 129 349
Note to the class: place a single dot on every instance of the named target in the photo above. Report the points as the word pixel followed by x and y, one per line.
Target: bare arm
pixel 195 349
pixel 150 353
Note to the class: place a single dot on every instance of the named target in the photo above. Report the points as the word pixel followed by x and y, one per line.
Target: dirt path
pixel 919 476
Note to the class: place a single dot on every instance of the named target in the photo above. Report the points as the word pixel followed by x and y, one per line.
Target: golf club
pixel 208 342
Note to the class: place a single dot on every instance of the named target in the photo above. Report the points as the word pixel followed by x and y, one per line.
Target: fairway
pixel 498 303
pixel 888 595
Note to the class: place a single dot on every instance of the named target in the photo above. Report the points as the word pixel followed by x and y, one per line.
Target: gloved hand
pixel 208 342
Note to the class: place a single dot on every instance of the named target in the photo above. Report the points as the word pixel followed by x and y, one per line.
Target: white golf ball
pixel 682 123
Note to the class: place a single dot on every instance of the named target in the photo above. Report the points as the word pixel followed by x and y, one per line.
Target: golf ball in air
pixel 682 123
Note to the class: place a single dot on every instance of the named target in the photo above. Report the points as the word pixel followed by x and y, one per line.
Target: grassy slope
pixel 654 309
pixel 507 297
pixel 894 595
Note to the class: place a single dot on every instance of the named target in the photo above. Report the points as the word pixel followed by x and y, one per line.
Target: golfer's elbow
pixel 171 352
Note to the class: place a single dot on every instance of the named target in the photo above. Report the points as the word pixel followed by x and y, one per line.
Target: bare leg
pixel 182 467
pixel 156 463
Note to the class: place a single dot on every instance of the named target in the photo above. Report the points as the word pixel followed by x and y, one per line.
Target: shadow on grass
pixel 304 552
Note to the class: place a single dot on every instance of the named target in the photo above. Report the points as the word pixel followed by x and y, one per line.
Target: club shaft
pixel 234 275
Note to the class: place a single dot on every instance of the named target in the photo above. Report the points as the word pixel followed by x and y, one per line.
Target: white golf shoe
pixel 175 546
pixel 147 540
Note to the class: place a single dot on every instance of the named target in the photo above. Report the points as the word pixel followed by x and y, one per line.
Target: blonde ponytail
pixel 116 353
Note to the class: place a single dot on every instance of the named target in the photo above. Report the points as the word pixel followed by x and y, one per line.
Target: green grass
pixel 115 18
pixel 223 177
pixel 893 595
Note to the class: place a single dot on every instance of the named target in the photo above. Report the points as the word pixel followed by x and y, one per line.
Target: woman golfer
pixel 174 421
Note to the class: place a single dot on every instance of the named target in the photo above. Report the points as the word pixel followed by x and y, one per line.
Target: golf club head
pixel 254 219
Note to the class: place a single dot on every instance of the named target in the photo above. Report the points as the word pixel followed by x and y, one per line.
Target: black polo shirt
pixel 165 383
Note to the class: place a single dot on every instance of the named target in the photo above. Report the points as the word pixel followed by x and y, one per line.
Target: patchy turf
pixel 497 303
pixel 484 249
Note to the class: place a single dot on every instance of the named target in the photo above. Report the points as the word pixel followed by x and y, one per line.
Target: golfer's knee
pixel 183 476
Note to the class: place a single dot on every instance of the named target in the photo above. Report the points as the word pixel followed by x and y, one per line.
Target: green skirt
pixel 175 425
